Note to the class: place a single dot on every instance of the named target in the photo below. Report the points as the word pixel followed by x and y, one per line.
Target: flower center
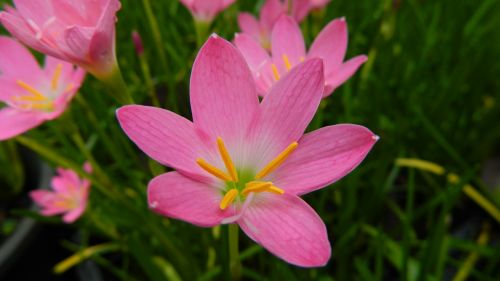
pixel 244 185
pixel 287 64
pixel 33 98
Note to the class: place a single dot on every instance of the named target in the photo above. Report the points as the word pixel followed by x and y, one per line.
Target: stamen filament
pixel 228 198
pixel 31 90
pixel 57 75
pixel 277 161
pixel 288 65
pixel 275 72
pixel 213 170
pixel 227 159
pixel 259 186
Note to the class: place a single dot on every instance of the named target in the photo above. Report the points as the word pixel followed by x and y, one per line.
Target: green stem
pixel 234 254
pixel 318 119
pixel 202 29
pixel 117 86
pixel 149 81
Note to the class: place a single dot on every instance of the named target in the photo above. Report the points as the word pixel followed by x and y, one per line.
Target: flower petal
pixel 35 10
pixel 289 228
pixel 164 136
pixel 14 122
pixel 252 51
pixel 176 196
pixel 270 12
pixel 287 110
pixel 223 94
pixel 287 40
pixel 345 72
pixel 331 45
pixel 16 61
pixel 249 25
pixel 323 157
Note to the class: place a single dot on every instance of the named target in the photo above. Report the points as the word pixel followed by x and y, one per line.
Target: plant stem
pixel 202 29
pixel 117 86
pixel 234 254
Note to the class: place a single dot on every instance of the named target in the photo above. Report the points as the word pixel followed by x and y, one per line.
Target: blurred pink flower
pixel 206 10
pixel 260 30
pixel 288 50
pixel 245 162
pixel 80 32
pixel 70 195
pixel 270 12
pixel 32 95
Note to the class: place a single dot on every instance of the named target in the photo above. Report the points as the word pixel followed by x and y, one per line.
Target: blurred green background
pixel 430 90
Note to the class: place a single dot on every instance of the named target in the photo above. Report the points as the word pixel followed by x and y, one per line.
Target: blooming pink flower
pixel 288 50
pixel 206 10
pixel 32 95
pixel 70 195
pixel 260 30
pixel 245 162
pixel 270 12
pixel 301 8
pixel 80 32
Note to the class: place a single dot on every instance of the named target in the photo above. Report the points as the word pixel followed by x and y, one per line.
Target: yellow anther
pixel 57 75
pixel 228 198
pixel 275 72
pixel 227 160
pixel 31 90
pixel 213 170
pixel 277 161
pixel 260 186
pixel 288 65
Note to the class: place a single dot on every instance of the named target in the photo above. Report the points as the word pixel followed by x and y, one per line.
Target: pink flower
pixel 288 50
pixel 245 162
pixel 80 32
pixel 32 95
pixel 270 12
pixel 260 30
pixel 206 10
pixel 301 8
pixel 70 195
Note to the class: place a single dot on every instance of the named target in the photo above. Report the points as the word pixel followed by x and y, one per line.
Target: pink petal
pixel 270 12
pixel 9 89
pixel 14 122
pixel 323 157
pixel 77 38
pixel 46 200
pixel 287 109
pixel 16 62
pixel 176 196
pixel 345 72
pixel 289 228
pixel 330 45
pixel 18 27
pixel 67 72
pixel 223 94
pixel 70 12
pixel 35 10
pixel 300 9
pixel 286 39
pixel 249 25
pixel 164 136
pixel 252 51
pixel 73 215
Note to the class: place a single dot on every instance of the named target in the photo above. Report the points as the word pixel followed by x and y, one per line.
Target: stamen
pixel 227 159
pixel 275 72
pixel 259 186
pixel 228 198
pixel 31 90
pixel 68 88
pixel 213 170
pixel 57 75
pixel 277 161
pixel 288 65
